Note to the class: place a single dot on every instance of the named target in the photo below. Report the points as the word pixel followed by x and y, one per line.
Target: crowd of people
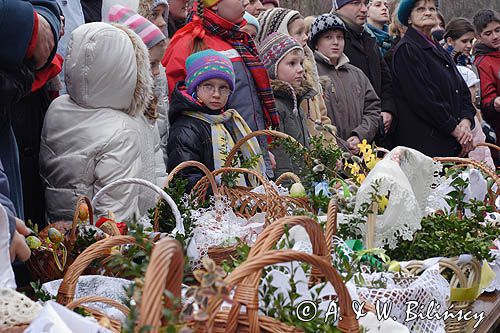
pixel 96 91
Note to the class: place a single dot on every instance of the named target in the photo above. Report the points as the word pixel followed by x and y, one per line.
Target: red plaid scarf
pixel 245 46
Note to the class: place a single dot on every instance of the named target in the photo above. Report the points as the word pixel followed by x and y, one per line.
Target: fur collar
pixel 282 89
pixel 143 93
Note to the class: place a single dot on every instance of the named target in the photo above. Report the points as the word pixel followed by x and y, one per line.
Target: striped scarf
pixel 222 141
pixel 246 48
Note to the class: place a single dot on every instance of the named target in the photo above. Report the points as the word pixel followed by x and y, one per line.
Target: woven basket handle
pixel 176 170
pixel 272 195
pixel 331 223
pixel 164 273
pixel 487 170
pixel 273 233
pixel 81 200
pixel 489 145
pixel 244 295
pixel 483 167
pixel 242 141
pixel 287 175
pixel 66 292
pixel 178 219
pixel 98 299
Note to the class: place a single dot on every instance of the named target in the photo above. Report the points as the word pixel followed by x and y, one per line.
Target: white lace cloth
pixel 16 308
pixel 427 288
pixel 55 318
pixel 96 285
pixel 218 226
pixel 7 279
pixel 406 176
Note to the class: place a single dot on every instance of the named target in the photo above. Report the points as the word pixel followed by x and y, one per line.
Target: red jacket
pixel 245 98
pixel 488 65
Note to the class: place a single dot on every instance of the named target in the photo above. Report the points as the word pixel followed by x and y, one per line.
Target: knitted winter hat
pixel 210 3
pixel 337 4
pixel 274 48
pixel 275 20
pixel 252 21
pixel 206 65
pixel 149 33
pixel 323 23
pixel 468 75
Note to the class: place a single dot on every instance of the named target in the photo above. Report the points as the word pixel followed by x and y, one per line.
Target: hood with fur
pixel 282 89
pixel 108 67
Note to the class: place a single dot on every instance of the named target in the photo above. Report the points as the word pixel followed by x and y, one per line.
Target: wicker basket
pixel 287 201
pixel 481 166
pixel 244 202
pixel 217 254
pixel 243 281
pixel 464 275
pixel 164 272
pixel 41 264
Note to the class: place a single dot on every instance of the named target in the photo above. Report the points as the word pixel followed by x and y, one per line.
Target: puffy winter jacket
pixel 190 138
pixel 90 137
pixel 488 65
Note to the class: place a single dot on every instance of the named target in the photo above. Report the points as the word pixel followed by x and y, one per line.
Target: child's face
pixel 156 55
pixel 250 29
pixel 158 17
pixel 290 68
pixel 462 44
pixel 331 44
pixel 214 93
pixel 231 10
pixel 297 30
pixel 490 36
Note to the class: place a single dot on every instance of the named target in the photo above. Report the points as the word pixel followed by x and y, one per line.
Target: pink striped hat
pixel 149 33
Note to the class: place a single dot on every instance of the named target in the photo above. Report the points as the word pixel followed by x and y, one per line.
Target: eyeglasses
pixel 210 89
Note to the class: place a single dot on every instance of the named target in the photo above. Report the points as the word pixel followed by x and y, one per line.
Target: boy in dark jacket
pixel 487 52
pixel 202 129
pixel 283 58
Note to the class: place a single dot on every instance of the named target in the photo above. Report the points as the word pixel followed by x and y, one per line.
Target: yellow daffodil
pixel 364 146
pixel 371 164
pixel 360 178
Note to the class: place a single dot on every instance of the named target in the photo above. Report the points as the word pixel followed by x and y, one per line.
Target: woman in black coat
pixel 434 102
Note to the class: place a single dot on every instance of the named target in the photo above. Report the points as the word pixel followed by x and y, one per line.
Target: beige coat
pixel 92 136
pixel 353 106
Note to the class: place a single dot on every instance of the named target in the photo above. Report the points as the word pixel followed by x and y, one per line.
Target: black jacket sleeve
pixel 184 144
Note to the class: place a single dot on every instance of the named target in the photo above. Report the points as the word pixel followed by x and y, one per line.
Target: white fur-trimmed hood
pixel 107 66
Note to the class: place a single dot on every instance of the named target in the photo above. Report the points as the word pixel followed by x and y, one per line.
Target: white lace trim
pixel 16 309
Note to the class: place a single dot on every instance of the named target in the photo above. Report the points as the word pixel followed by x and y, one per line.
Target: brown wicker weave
pixel 164 273
pixel 200 195
pixel 41 264
pixel 243 201
pixel 464 276
pixel 246 293
pixel 290 202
